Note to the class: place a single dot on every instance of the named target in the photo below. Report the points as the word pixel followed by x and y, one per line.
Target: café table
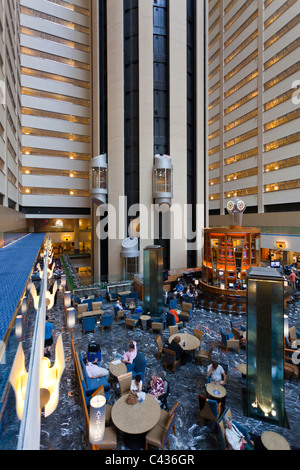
pixel 191 342
pixel 135 420
pixel 216 392
pixel 273 441
pixel 117 368
pixel 144 319
pixel 242 368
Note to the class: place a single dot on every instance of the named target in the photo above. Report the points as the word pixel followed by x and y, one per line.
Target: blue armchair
pixel 89 302
pixel 138 366
pixel 107 321
pixel 209 409
pixel 173 304
pixel 91 385
pixel 237 325
pixel 228 341
pixel 88 324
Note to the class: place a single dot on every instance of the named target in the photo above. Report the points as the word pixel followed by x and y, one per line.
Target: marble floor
pixel 64 429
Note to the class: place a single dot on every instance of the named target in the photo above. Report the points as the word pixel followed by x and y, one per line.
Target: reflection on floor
pixel 64 429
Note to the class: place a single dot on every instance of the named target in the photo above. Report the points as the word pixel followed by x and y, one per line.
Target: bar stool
pixel 209 304
pixel 229 307
pixel 219 305
pixel 239 307
pixel 201 301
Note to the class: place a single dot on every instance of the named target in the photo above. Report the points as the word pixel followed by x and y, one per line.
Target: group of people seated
pixel 181 293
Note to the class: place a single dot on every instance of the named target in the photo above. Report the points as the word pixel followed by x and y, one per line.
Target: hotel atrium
pixel 149 193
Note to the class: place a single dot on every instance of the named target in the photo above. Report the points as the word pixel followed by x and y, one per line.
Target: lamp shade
pixel 24 305
pixel 19 326
pixel 97 420
pixel 71 317
pixel 67 298
pixel 286 326
pixel 63 280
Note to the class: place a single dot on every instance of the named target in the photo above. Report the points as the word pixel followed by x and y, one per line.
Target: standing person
pixel 292 279
pixel 49 330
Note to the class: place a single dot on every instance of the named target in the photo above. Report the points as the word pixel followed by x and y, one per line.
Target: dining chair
pixel 88 324
pixel 124 381
pixel 81 308
pixel 131 322
pixel 160 346
pixel 209 409
pixel 157 326
pixel 165 416
pixel 159 435
pixel 173 330
pixel 199 334
pixel 107 321
pixel 170 359
pixel 203 354
pixel 110 441
pixel 96 308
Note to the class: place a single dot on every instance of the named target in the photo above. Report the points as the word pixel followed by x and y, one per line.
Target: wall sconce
pixel 49 297
pixel 67 298
pixel 196 282
pixel 97 420
pixel 19 326
pixel 49 379
pixel 24 306
pixel 280 245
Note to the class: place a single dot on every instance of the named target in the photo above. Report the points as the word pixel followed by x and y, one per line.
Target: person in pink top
pixel 130 355
pixel 292 279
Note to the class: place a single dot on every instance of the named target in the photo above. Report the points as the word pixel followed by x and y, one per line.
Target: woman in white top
pixel 137 385
pixel 235 438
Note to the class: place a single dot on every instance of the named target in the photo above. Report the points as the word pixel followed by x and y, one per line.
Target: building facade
pixel 254 111
pixel 152 102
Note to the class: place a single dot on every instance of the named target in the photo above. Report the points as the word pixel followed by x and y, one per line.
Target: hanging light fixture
pixel 97 420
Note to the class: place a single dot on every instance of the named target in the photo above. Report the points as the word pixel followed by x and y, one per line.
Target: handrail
pixel 30 430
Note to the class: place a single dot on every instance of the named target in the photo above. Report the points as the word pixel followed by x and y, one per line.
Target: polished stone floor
pixel 64 429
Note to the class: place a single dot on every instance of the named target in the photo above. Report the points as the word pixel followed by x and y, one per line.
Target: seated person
pixel 130 355
pixel 176 347
pixel 93 370
pixel 179 289
pixel 119 305
pixel 235 438
pixel 137 385
pixel 174 312
pixel 155 386
pixel 216 373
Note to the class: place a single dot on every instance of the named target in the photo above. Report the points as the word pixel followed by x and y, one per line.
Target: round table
pixel 135 420
pixel 117 369
pixel 144 319
pixel 273 441
pixel 216 392
pixel 191 341
pixel 242 368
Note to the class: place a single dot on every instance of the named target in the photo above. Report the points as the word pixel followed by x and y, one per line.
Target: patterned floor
pixel 64 429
